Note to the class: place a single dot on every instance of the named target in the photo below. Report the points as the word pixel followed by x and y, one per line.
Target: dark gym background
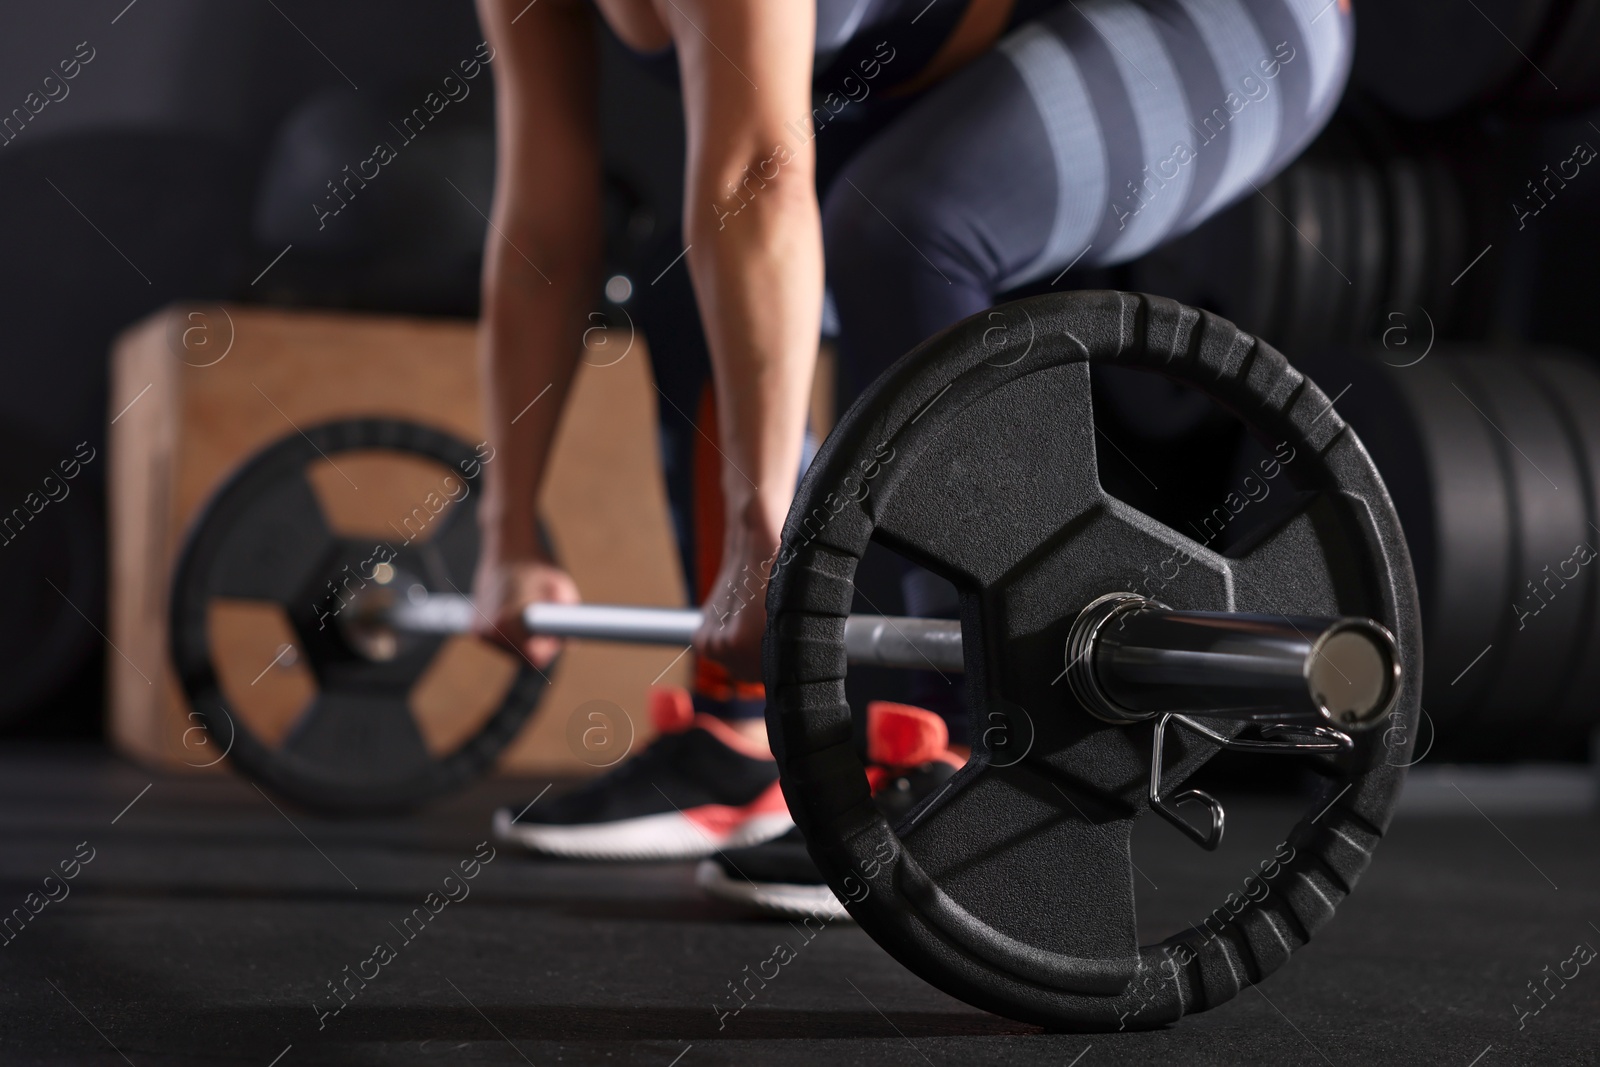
pixel 175 168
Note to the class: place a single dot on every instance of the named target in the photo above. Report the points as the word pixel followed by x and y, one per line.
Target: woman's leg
pixel 666 316
pixel 1090 134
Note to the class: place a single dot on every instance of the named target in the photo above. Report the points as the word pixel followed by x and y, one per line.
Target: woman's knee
pixel 870 222
pixel 887 225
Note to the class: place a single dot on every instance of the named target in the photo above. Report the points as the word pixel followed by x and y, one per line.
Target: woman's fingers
pixel 504 590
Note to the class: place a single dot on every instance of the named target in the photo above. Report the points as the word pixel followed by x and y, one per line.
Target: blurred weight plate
pixel 1369 241
pixel 1307 283
pixel 1425 59
pixel 1447 226
pixel 1550 516
pixel 1407 236
pixel 1574 388
pixel 363 718
pixel 1271 245
pixel 1440 461
pixel 1336 255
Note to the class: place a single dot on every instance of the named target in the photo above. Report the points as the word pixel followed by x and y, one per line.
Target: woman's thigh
pixel 1095 131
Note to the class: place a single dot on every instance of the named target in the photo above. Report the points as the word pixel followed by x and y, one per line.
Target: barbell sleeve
pixel 1129 659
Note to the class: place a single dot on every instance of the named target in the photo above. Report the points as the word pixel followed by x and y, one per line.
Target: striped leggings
pixel 1094 131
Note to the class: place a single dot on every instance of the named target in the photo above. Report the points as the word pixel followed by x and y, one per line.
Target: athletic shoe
pixel 909 761
pixel 699 788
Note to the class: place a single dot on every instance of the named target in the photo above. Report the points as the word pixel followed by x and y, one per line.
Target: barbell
pixel 356 746
pixel 1314 672
pixel 1297 641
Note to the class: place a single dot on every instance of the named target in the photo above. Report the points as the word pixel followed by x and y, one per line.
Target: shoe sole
pixel 776 898
pixel 668 836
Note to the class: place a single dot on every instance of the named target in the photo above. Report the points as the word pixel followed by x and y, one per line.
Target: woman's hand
pixel 503 588
pixel 734 615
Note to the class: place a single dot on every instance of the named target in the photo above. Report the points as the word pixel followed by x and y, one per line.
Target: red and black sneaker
pixel 909 760
pixel 700 787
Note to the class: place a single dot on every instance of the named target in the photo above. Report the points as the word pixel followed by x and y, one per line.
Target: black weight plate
pixel 355 746
pixel 1013 887
pixel 1340 252
pixel 1307 274
pixel 1574 388
pixel 1549 518
pixel 1425 59
pixel 1272 240
pixel 1469 536
pixel 1318 287
pixel 1367 262
pixel 1448 254
pixel 1331 261
pixel 1407 227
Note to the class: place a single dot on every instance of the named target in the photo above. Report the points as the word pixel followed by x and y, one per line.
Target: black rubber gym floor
pixel 203 926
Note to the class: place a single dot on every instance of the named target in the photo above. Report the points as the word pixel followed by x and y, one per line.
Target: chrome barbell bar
pixel 1129 659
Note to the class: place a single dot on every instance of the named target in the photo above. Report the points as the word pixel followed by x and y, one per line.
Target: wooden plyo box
pixel 197 390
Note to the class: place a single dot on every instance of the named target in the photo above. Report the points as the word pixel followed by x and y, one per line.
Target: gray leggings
pixel 1090 134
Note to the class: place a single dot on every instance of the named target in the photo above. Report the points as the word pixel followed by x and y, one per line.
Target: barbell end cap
pixel 1353 673
pixel 1349 668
